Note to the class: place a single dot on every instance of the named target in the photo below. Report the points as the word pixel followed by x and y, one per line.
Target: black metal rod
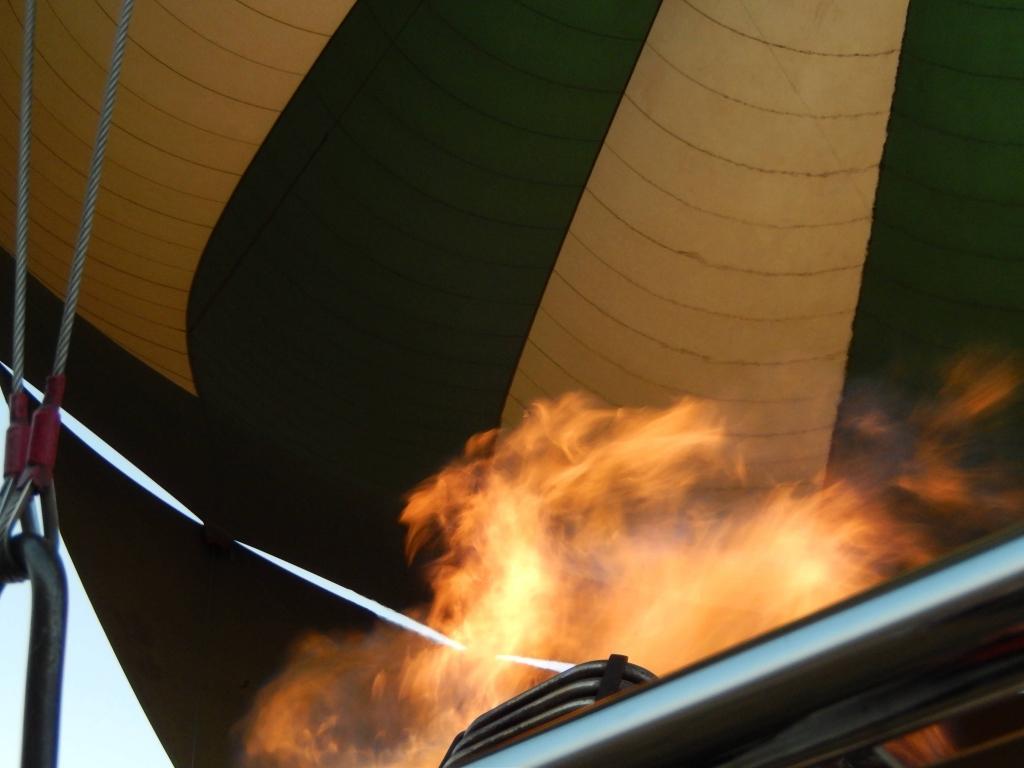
pixel 867 718
pixel 45 675
pixel 792 696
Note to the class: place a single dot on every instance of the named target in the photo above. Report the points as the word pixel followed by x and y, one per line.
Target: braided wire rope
pixel 92 189
pixel 21 218
pixel 9 511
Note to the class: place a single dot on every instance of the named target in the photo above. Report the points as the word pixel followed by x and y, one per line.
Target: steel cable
pixel 21 219
pixel 92 190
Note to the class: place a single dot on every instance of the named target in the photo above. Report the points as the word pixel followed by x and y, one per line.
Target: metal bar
pixel 940 621
pixel 46 649
pixel 886 711
pixel 49 515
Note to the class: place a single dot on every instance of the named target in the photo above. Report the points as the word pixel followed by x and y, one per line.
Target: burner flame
pixel 589 530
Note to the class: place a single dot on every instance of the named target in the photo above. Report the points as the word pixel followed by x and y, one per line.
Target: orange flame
pixel 589 530
pixel 922 748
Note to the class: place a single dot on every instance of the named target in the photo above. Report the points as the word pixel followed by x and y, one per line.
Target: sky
pixel 99 708
pixel 102 723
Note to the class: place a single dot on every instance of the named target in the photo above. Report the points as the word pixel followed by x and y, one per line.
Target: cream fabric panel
pixel 202 84
pixel 717 249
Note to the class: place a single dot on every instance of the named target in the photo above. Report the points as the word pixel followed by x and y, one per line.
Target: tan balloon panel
pixel 284 35
pixel 862 29
pixel 717 249
pixel 202 84
pixel 683 226
pixel 804 63
pixel 747 293
pixel 316 16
